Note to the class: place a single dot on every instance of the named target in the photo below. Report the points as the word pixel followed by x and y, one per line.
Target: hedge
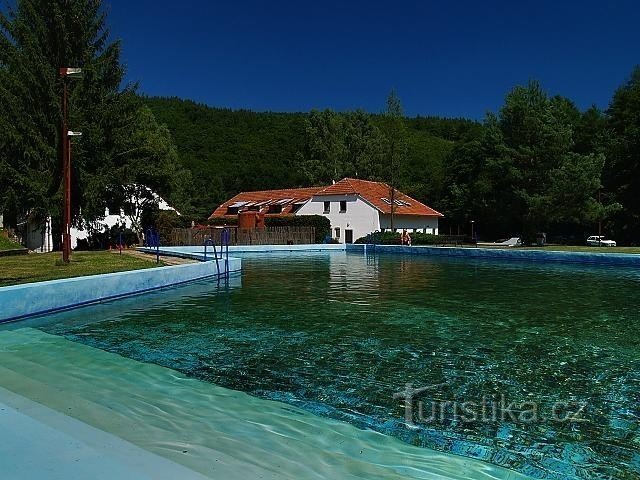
pixel 390 238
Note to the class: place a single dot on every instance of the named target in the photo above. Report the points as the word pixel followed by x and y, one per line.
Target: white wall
pixel 110 220
pixel 38 236
pixel 410 222
pixel 104 224
pixel 360 217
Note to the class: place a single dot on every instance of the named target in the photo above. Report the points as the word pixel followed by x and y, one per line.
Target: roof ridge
pixel 278 190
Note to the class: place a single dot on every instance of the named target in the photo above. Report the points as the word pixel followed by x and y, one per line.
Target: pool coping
pixel 533 255
pixel 40 298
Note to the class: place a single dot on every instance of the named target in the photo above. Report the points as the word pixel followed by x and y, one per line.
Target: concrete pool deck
pixel 39 298
pixel 532 255
pixel 475 253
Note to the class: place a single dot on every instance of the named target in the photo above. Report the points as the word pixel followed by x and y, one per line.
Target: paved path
pixel 165 259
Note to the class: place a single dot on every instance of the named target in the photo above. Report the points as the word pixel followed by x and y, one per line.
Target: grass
pixel 37 267
pixel 6 244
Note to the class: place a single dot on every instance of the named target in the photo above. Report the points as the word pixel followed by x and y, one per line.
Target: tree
pixel 395 136
pixel 341 145
pixel 622 172
pixel 524 175
pixel 37 37
pixel 326 152
pixel 363 145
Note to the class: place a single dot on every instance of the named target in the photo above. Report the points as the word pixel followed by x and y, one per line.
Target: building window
pixel 343 206
pixel 275 208
pixel 232 211
pixel 337 230
pixel 327 207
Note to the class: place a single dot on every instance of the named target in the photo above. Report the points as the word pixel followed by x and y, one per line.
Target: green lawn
pixel 6 244
pixel 570 248
pixel 37 267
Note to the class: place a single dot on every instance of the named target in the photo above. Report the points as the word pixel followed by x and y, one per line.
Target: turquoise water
pixel 338 334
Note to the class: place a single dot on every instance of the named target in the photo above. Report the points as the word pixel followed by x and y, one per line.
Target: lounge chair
pixel 512 242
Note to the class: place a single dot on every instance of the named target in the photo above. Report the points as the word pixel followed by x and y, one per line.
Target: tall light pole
pixel 66 162
pixel 472 222
pixel 600 216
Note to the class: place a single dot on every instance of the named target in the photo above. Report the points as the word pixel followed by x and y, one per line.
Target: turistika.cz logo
pixel 490 408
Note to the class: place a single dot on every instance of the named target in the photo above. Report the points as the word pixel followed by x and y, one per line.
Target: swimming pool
pixel 336 335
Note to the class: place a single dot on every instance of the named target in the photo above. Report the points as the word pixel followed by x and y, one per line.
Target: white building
pixel 37 236
pixel 141 197
pixel 354 207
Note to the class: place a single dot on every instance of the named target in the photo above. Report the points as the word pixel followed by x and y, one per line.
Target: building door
pixel 348 236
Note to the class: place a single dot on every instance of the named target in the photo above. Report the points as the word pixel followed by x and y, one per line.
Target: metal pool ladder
pixel 224 249
pixel 153 240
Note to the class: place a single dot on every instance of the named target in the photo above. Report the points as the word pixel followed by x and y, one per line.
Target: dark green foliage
pixel 622 172
pixel 223 222
pixel 525 172
pixel 390 238
pixel 232 151
pixel 121 143
pixel 109 238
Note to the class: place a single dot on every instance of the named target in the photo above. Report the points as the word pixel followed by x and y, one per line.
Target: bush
pixel 381 238
pixel 164 221
pixel 389 238
pixel 102 240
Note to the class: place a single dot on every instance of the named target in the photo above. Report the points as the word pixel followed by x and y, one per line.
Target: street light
pixel 472 222
pixel 66 72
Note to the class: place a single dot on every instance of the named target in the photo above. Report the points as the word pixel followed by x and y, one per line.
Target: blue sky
pixel 448 58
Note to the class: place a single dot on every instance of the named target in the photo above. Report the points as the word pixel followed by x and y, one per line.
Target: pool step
pixel 49 375
pixel 217 432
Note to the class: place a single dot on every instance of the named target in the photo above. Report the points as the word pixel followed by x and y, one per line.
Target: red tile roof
pixel 292 195
pixel 378 194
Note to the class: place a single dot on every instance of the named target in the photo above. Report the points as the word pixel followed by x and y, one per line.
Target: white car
pixel 599 241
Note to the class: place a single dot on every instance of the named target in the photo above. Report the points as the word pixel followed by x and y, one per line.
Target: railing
pixel 237 236
pixel 224 243
pixel 224 250
pixel 209 241
pixel 152 239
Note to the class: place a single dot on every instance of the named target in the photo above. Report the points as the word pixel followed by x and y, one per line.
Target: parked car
pixel 600 241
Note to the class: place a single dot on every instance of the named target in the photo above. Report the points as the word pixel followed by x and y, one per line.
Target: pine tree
pixel 37 37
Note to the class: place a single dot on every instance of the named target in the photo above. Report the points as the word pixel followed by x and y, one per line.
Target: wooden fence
pixel 267 236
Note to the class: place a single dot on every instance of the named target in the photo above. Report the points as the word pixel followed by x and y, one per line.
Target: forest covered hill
pixel 231 151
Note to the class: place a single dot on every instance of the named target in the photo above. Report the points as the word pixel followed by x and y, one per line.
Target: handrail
pixel 225 237
pixel 209 241
pixel 153 240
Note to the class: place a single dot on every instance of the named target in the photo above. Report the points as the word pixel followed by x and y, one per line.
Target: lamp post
pixel 66 162
pixel 472 222
pixel 600 216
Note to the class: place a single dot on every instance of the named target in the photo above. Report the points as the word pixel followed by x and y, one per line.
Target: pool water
pixel 337 334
